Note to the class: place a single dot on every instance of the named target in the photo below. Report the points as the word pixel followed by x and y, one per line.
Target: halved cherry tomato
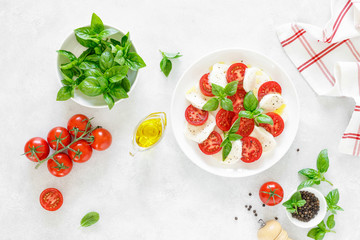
pixel 268 87
pixel 224 119
pixel 271 193
pixel 63 168
pixel 80 151
pixel 196 116
pixel 51 199
pixel 277 128
pixel 251 149
pixel 236 72
pixel 238 99
pixel 36 149
pixel 58 137
pixel 205 86
pixel 102 139
pixel 212 144
pixel 78 123
pixel 246 126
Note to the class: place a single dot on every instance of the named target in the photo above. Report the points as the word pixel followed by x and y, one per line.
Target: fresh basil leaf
pixel 231 88
pixel 291 210
pixel 296 197
pixel 171 55
pixel 88 65
pixel 69 65
pixel 224 142
pixel 333 197
pixel 67 73
pixel 103 82
pixel 79 80
pixel 306 183
pixel 234 137
pixel 109 100
pixel 330 222
pixel 309 172
pixel 65 93
pixel 116 73
pixel 258 111
pixel 211 105
pixel 217 90
pixel 227 104
pixel 320 235
pixel 90 86
pixel 125 83
pixel 336 208
pixel 322 226
pixel 323 161
pixel 226 150
pixel 166 66
pixel 119 58
pixel 263 118
pixel 106 60
pixel 245 114
pixel 93 72
pixel 98 51
pixel 92 58
pixel 118 91
pixel 312 233
pixel 90 219
pixel 86 37
pixel 288 204
pixel 107 32
pixel 115 42
pixel 301 203
pixel 127 48
pixel 84 55
pixel 134 61
pixel 67 54
pixel 124 39
pixel 250 101
pixel 96 24
pixel 235 126
pixel 67 82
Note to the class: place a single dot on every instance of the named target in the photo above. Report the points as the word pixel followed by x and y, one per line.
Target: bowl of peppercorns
pixel 306 207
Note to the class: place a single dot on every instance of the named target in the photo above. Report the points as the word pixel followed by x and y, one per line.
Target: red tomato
pixel 205 86
pixel 80 151
pixel 246 126
pixel 268 87
pixel 102 139
pixel 51 199
pixel 238 100
pixel 271 193
pixel 251 149
pixel 58 136
pixel 236 72
pixel 78 123
pixel 64 167
pixel 196 116
pixel 36 149
pixel 277 128
pixel 212 144
pixel 224 119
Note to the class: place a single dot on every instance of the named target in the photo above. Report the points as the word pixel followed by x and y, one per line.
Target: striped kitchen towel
pixel 329 60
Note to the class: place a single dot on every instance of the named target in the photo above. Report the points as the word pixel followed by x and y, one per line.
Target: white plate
pixel 191 77
pixel 72 45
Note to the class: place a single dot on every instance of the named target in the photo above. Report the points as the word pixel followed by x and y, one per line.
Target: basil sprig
pixel 252 110
pixel 332 200
pixel 221 97
pixel 102 69
pixel 229 137
pixel 165 63
pixel 90 219
pixel 294 202
pixel 318 233
pixel 316 176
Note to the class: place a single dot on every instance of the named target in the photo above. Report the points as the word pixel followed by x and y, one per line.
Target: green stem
pixel 329 182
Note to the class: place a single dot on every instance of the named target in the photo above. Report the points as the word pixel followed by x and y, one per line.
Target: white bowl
pixel 192 76
pixel 72 45
pixel 318 218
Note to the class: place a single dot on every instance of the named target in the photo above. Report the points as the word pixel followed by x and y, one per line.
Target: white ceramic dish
pixel 70 44
pixel 192 76
pixel 318 218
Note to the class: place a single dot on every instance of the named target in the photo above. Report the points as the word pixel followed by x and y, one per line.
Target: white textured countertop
pixel 160 195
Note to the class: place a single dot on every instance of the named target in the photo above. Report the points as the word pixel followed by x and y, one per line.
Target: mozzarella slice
pixel 253 79
pixel 271 102
pixel 267 140
pixel 234 155
pixel 200 133
pixel 195 97
pixel 218 74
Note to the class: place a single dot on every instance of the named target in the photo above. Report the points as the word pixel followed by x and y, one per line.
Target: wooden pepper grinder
pixel 272 230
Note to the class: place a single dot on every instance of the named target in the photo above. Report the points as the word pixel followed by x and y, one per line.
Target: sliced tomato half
pixel 238 99
pixel 196 116
pixel 268 87
pixel 251 149
pixel 236 72
pixel 246 126
pixel 212 144
pixel 51 199
pixel 277 128
pixel 224 119
pixel 205 86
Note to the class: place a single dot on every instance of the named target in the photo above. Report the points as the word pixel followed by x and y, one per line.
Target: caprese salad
pixel 236 111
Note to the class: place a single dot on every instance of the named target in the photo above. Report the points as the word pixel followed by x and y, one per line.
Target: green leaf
pixel 306 183
pixel 86 37
pixel 224 142
pixel 312 233
pixel 333 197
pixel 226 150
pixel 107 32
pixel 309 172
pixel 291 210
pixel 296 197
pixel 263 118
pixel 89 219
pixel 320 235
pixel 69 65
pixel 250 101
pixel 92 58
pixel 93 73
pixel 115 42
pixel 134 61
pixel 166 66
pixel 106 60
pixel 288 204
pixel 323 161
pixel 125 83
pixel 118 91
pixel 124 39
pixel 217 90
pixel 245 114
pixel 211 105
pixel 90 86
pixel 330 222
pixel 231 88
pixel 65 93
pixel 119 58
pixel 84 55
pixel 67 82
pixel 235 126
pixel 116 73
pixel 258 111
pixel 97 25
pixel 79 80
pixel 233 137
pixel 322 226
pixel 67 54
pixel 301 203
pixel 337 208
pixel 67 73
pixel 171 55
pixel 227 104
pixel 88 65
pixel 109 100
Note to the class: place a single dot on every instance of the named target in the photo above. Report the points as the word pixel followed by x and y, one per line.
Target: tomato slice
pixel 251 149
pixel 268 87
pixel 196 116
pixel 51 199
pixel 246 126
pixel 224 119
pixel 238 99
pixel 205 86
pixel 212 144
pixel 278 126
pixel 236 72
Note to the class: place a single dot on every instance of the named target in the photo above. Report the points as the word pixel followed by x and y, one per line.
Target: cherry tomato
pixel 63 168
pixel 277 128
pixel 268 87
pixel 271 193
pixel 236 72
pixel 78 123
pixel 238 99
pixel 196 116
pixel 51 199
pixel 58 137
pixel 212 144
pixel 36 149
pixel 251 149
pixel 80 151
pixel 102 139
pixel 205 86
pixel 224 119
pixel 246 126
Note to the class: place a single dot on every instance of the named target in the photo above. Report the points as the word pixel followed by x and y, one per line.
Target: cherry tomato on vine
pixel 60 165
pixel 80 151
pixel 51 199
pixel 58 137
pixel 271 193
pixel 36 149
pixel 78 123
pixel 102 139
